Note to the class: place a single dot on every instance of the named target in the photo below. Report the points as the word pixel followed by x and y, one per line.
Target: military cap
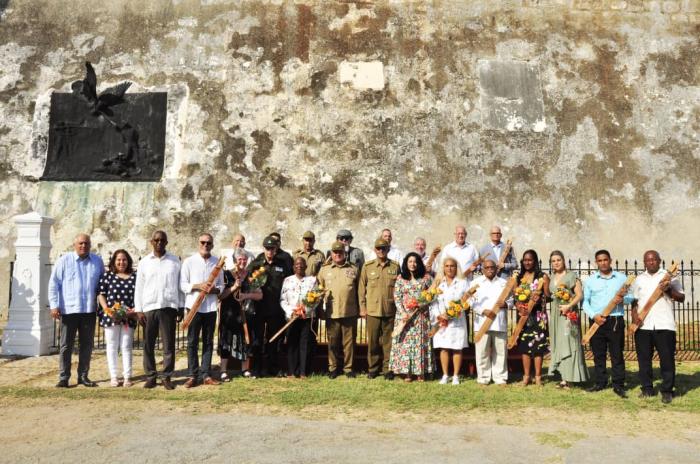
pixel 344 233
pixel 381 243
pixel 338 246
pixel 270 241
pixel 309 234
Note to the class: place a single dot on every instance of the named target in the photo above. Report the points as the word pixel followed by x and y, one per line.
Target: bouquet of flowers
pixel 257 278
pixel 571 322
pixel 426 297
pixel 524 291
pixel 563 294
pixel 454 310
pixel 118 312
pixel 310 301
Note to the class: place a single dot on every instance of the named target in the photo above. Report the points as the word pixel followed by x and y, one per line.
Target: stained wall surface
pixel 573 124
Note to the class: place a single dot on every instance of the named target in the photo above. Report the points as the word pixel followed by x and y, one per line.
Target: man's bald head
pixel 81 245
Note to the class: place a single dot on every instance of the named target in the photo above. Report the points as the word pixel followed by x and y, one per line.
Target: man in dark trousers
pixel 600 289
pixel 269 316
pixel 658 330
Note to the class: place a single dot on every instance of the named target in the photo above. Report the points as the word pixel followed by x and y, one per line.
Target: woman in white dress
pixel 452 338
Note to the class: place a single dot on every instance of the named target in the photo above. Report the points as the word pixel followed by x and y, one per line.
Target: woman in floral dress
pixel 410 346
pixel 532 343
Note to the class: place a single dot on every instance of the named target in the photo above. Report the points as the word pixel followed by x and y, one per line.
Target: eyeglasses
pixel 384 249
pixel 342 239
pixel 496 233
pixel 202 242
pixel 269 248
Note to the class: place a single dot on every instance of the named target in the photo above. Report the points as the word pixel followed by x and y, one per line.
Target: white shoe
pixel 444 379
pixel 455 380
pixel 114 382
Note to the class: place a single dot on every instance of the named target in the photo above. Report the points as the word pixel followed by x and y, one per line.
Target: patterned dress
pixel 115 289
pixel 410 350
pixel 533 339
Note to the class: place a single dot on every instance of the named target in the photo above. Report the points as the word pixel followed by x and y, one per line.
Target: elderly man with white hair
pixel 462 251
pixel 73 300
pixel 495 249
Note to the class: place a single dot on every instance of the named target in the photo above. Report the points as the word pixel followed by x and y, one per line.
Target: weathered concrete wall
pixel 572 123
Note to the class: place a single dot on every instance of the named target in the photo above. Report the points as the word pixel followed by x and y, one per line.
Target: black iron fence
pixel 687 314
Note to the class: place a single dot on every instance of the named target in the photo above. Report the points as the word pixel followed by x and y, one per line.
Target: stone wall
pixel 572 123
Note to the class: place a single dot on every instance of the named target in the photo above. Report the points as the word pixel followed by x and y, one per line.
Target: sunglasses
pixel 202 242
pixel 382 248
pixel 343 238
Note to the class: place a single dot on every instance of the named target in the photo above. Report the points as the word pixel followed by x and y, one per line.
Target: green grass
pixel 322 396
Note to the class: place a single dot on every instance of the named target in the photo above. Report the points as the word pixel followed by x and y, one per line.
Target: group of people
pixel 408 302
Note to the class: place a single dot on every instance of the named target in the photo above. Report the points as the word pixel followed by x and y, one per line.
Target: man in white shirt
pixel 394 253
pixel 159 304
pixel 491 353
pixel 464 252
pixel 659 327
pixel 194 278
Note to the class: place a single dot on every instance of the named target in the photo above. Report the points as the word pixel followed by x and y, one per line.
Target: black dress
pixel 231 335
pixel 533 339
pixel 115 289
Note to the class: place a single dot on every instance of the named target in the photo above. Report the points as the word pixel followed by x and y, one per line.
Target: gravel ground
pixel 157 430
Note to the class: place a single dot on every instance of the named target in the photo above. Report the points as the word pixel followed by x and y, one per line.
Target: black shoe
pixel 372 375
pixel 596 388
pixel 62 383
pixel 389 376
pixel 281 374
pixel 666 397
pixel 168 384
pixel 646 394
pixel 86 382
pixel 333 375
pixel 620 391
pixel 350 375
pixel 150 383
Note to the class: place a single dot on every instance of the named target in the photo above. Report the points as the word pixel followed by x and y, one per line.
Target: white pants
pixel 492 358
pixel 115 336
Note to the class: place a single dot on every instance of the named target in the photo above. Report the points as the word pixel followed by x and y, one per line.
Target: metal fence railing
pixel 687 314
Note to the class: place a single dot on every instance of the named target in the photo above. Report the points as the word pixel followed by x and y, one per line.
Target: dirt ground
pixel 155 430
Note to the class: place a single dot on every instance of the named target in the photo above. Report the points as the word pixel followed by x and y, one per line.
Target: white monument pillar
pixel 29 329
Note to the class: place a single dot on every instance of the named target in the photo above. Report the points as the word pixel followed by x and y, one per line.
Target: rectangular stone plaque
pixel 126 145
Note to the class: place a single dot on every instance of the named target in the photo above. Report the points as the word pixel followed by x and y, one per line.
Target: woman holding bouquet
pixel 236 304
pixel 452 335
pixel 532 343
pixel 565 328
pixel 410 345
pixel 115 293
pixel 297 301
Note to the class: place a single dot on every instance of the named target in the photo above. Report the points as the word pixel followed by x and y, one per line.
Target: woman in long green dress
pixel 565 323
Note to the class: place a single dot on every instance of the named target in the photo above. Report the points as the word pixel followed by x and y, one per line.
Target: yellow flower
pixel 522 297
pixel 527 292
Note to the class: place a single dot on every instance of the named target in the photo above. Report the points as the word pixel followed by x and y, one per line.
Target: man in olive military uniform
pixel 376 294
pixel 269 316
pixel 339 278
pixel 355 256
pixel 314 258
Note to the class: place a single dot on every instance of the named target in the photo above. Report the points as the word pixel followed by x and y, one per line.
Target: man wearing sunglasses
pixel 354 256
pixel 193 280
